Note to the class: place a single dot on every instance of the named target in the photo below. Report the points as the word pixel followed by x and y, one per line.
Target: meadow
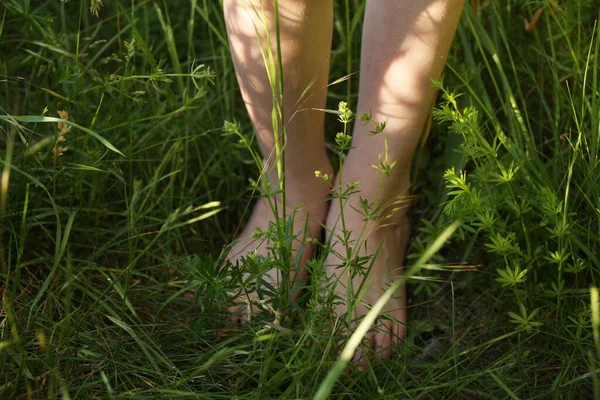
pixel 126 165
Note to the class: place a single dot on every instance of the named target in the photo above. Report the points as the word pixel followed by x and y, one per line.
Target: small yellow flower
pixel 326 178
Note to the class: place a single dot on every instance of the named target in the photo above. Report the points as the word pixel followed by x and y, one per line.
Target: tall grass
pixel 116 216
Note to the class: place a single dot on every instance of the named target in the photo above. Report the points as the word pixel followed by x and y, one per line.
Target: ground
pixel 114 278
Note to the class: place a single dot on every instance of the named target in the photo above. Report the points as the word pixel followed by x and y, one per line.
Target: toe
pixel 384 341
pixel 399 332
pixel 364 353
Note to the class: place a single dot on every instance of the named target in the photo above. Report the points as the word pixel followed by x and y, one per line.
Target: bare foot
pixel 384 241
pixel 305 200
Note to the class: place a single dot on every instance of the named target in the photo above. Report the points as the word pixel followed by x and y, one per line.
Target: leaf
pixel 515 317
pixel 39 118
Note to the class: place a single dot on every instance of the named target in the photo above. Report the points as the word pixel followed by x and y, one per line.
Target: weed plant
pixel 126 156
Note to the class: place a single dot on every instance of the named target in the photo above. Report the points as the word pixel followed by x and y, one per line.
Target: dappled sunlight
pixel 407 49
pixel 140 256
pixel 305 42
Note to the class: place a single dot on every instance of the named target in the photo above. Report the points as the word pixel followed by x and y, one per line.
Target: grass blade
pixel 39 118
pixel 354 341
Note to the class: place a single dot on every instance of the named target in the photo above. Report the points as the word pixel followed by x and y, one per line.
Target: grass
pixel 116 217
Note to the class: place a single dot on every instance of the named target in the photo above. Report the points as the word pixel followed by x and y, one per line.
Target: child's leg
pixel 306 30
pixel 405 45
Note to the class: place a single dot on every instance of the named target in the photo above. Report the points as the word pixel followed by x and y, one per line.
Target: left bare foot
pixel 305 200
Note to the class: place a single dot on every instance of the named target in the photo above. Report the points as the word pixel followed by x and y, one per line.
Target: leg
pixel 405 45
pixel 306 31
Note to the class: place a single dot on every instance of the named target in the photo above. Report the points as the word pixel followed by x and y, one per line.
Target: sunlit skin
pixel 404 46
pixel 306 31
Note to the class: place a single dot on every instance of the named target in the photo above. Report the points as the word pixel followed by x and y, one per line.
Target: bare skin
pixel 306 31
pixel 405 45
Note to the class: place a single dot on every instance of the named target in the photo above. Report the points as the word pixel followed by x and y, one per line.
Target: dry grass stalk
pixel 63 128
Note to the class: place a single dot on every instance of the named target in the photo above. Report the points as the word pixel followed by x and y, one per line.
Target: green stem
pixel 348 55
pixel 278 106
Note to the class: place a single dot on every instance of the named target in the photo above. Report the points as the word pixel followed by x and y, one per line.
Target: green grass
pixel 112 255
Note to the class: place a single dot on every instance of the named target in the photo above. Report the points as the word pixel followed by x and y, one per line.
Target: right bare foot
pixel 383 242
pixel 305 199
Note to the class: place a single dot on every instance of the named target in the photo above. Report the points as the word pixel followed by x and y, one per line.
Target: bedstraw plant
pixel 122 187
